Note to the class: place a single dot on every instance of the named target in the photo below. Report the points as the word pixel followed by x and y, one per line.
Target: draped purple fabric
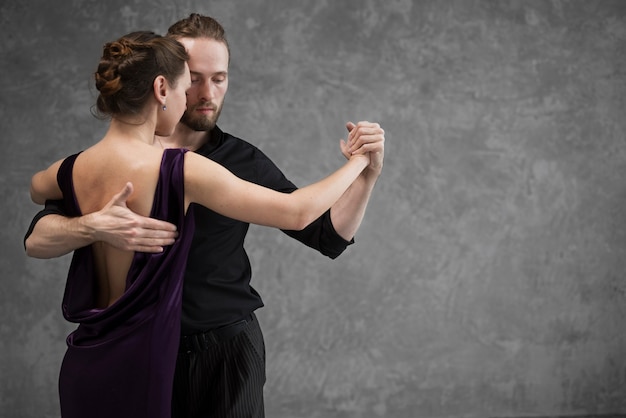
pixel 120 360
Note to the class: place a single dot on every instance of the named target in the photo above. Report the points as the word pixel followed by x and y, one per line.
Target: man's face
pixel 208 66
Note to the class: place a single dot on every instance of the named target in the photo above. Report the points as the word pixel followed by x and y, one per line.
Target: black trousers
pixel 221 376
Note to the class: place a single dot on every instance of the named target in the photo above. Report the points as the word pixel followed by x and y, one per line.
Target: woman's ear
pixel 160 87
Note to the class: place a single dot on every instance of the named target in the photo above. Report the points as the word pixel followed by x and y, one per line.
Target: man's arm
pixel 54 235
pixel 332 233
pixel 348 212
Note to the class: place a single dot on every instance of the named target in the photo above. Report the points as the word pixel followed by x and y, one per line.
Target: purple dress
pixel 120 360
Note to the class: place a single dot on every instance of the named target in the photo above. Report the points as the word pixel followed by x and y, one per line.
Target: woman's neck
pixel 135 130
pixel 184 137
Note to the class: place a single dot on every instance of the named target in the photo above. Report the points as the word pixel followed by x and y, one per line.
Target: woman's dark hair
pixel 129 66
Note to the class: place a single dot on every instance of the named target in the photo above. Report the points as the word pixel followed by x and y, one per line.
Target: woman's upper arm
pixel 213 186
pixel 44 186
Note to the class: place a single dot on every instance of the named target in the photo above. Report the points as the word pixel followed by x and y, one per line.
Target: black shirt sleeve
pixel 52 207
pixel 320 234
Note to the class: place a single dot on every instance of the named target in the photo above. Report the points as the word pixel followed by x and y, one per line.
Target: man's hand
pixel 366 137
pixel 122 228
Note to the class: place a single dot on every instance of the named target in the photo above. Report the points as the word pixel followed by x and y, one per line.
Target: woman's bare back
pixel 123 161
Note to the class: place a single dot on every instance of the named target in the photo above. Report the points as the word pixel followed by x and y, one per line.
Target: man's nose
pixel 207 91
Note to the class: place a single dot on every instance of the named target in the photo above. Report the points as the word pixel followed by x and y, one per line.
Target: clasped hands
pixel 365 138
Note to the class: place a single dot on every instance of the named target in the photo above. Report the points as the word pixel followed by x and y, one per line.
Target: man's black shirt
pixel 217 287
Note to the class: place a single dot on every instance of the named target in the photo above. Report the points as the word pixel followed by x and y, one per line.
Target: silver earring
pixel 164 107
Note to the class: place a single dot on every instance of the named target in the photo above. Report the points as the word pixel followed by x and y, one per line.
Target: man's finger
pixel 157 225
pixel 372 140
pixel 120 198
pixel 146 249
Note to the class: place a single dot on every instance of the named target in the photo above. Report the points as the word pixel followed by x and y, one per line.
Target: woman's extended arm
pixel 213 186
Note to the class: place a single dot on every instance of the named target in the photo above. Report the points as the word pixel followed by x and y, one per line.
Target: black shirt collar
pixel 216 138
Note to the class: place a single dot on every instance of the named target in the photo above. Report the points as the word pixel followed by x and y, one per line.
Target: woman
pixel 121 357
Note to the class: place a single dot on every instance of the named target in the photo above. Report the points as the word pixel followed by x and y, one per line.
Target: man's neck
pixel 183 137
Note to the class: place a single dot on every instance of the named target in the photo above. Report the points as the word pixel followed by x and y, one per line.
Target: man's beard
pixel 200 123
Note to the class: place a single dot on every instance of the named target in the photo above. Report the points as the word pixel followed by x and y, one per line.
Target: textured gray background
pixel 488 277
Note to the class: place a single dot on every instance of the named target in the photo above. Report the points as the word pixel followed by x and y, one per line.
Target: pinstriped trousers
pixel 224 381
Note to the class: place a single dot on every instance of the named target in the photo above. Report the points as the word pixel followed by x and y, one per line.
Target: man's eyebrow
pixel 218 73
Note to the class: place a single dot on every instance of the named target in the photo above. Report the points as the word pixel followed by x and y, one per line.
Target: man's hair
pixel 198 26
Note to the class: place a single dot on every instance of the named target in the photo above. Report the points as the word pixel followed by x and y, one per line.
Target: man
pixel 220 370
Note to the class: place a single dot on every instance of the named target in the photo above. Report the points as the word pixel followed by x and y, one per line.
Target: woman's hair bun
pixel 118 50
pixel 114 56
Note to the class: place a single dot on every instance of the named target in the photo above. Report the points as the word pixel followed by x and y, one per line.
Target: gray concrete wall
pixel 488 277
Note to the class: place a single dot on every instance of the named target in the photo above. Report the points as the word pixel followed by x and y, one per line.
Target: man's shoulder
pixel 228 143
pixel 248 161
pixel 229 139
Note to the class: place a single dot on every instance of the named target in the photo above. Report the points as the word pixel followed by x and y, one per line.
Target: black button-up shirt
pixel 217 287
